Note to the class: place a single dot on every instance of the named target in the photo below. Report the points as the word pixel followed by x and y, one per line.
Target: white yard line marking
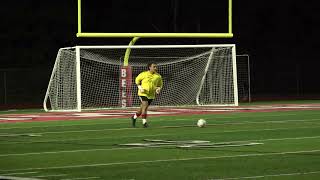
pixel 279 139
pixel 271 175
pixel 9 174
pixel 119 129
pixel 62 132
pixel 51 175
pixel 82 178
pixel 82 139
pixel 268 129
pixel 272 122
pixel 67 125
pixel 169 160
pixel 71 151
pixel 128 148
pixel 251 116
pixel 20 134
pixel 17 178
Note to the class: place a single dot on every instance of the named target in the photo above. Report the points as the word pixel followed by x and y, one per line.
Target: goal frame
pixel 78 71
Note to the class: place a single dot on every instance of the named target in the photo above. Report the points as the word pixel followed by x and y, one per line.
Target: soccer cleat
pixel 133 121
pixel 145 125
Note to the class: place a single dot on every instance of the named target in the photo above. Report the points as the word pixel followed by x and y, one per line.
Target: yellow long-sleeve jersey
pixel 149 82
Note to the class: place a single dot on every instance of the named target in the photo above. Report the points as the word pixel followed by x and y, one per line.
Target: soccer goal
pixel 100 77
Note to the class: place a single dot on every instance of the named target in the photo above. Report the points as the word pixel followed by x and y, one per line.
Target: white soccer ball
pixel 201 123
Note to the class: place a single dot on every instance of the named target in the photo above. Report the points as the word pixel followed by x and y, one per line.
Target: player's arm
pixel 159 86
pixel 138 80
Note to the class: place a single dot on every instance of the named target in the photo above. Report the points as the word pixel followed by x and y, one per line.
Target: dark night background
pixel 280 36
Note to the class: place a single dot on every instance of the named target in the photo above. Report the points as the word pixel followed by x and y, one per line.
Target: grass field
pixel 287 147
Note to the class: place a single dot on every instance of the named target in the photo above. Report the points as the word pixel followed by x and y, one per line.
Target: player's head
pixel 152 67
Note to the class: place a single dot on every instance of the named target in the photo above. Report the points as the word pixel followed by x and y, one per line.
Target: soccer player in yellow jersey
pixel 149 84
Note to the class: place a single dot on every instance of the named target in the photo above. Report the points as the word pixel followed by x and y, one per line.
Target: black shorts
pixel 143 98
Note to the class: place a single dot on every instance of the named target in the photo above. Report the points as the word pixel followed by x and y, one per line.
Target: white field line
pixel 9 174
pixel 242 116
pixel 71 151
pixel 67 125
pixel 263 122
pixel 119 129
pixel 270 175
pixel 251 122
pixel 52 175
pixel 62 132
pixel 71 125
pixel 81 178
pixel 220 132
pixel 82 139
pixel 268 129
pixel 140 147
pixel 16 178
pixel 169 160
pixel 159 118
pixel 277 139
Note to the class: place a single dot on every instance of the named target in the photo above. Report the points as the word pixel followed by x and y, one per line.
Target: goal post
pixel 95 77
pixel 243 77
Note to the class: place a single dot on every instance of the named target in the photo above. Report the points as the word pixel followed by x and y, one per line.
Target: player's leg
pixel 144 115
pixel 145 103
pixel 144 110
pixel 135 116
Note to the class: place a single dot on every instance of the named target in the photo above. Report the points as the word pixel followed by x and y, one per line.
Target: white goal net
pixel 95 77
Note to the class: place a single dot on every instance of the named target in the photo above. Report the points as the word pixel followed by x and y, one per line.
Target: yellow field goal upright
pixel 228 34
